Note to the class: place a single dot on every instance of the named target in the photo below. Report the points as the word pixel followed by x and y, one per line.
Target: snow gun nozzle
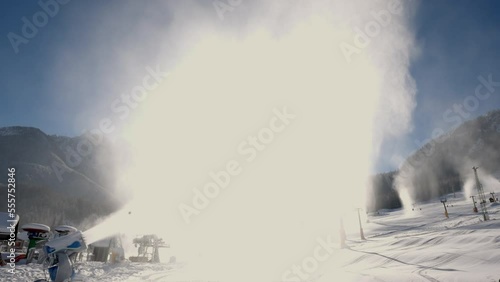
pixel 73 241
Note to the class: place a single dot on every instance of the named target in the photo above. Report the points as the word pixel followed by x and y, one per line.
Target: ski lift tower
pixel 482 197
pixel 149 246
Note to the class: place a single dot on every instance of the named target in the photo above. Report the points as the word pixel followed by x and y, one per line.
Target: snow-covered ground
pixel 96 271
pixel 420 245
pixel 425 246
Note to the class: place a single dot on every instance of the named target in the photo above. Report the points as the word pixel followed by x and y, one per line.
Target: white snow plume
pixel 489 183
pixel 226 86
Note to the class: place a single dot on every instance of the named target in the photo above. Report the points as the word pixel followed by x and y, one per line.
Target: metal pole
pixel 445 210
pixel 361 233
pixel 342 234
pixel 482 197
pixel 474 202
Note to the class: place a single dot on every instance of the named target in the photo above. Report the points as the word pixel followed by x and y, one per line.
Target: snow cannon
pixel 36 232
pixel 63 230
pixel 58 252
pixel 73 242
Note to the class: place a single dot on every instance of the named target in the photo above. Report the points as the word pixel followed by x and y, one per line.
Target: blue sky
pixel 457 41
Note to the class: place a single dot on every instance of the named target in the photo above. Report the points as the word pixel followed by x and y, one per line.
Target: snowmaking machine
pixel 38 234
pixel 57 256
pixel 63 230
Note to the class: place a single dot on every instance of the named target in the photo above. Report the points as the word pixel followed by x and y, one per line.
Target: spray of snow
pixel 311 174
pixel 489 183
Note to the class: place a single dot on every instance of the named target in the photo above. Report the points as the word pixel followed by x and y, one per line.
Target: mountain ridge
pixel 444 164
pixel 43 167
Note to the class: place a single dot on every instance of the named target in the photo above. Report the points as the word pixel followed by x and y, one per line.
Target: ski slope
pixel 420 245
pixel 423 245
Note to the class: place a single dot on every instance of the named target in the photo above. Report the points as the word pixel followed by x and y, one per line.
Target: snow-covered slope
pixel 420 245
pixel 424 246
